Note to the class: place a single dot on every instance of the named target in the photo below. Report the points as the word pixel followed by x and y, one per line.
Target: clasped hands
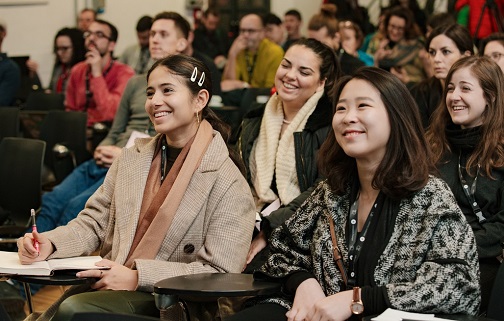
pixel 311 304
pixel 115 277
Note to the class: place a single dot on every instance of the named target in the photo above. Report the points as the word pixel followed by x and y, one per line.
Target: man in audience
pixel 274 29
pixel 97 83
pixel 325 29
pixel 292 24
pixel 10 76
pixel 172 32
pixel 210 38
pixel 168 36
pixel 137 55
pixel 252 59
pixel 86 16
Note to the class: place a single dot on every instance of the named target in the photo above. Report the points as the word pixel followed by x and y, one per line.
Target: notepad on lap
pixel 9 264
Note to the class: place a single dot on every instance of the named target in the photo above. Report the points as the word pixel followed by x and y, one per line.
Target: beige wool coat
pixel 216 216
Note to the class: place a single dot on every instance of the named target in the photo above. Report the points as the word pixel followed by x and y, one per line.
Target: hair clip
pixel 194 74
pixel 202 79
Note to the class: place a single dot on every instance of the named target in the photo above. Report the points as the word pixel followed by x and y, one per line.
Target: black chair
pixel 65 135
pixel 9 122
pixel 21 162
pixel 495 308
pixel 249 99
pixel 104 316
pixel 39 100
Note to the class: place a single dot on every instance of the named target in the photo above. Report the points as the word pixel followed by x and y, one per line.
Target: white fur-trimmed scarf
pixel 270 153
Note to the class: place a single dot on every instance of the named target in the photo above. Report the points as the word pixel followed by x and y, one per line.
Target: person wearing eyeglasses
pixel 399 51
pixel 493 47
pixel 69 50
pixel 252 59
pixel 97 83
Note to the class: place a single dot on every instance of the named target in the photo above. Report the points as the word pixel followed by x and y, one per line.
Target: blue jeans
pixel 66 200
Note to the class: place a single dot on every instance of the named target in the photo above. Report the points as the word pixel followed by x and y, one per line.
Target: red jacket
pixel 106 91
pixel 488 22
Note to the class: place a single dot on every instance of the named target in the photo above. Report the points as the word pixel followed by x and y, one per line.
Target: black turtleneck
pixel 489 192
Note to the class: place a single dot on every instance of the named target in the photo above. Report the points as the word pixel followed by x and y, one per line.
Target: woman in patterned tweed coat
pixel 150 222
pixel 404 242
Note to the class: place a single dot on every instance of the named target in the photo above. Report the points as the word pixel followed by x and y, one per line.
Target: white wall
pixel 31 28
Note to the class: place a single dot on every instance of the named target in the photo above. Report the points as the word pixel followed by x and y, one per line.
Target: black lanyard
pixel 89 93
pixel 470 192
pixel 356 239
pixel 250 67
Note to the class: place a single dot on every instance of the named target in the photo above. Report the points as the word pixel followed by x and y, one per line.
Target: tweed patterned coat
pixel 429 265
pixel 216 216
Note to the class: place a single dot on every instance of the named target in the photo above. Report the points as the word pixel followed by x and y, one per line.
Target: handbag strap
pixel 336 253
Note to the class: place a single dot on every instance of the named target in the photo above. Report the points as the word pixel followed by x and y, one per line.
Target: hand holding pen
pixel 36 244
pixel 33 247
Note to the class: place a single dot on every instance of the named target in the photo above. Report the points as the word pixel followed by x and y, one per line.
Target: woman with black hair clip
pixel 380 232
pixel 467 139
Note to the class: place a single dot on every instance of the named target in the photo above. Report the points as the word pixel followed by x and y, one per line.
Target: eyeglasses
pixel 62 48
pixel 249 31
pixel 495 56
pixel 394 27
pixel 97 34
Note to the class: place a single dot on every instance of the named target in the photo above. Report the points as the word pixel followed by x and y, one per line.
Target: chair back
pixel 495 308
pixel 9 122
pixel 21 162
pixel 66 128
pixel 39 100
pixel 249 99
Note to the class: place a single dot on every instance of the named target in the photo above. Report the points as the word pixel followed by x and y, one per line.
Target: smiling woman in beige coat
pixel 172 205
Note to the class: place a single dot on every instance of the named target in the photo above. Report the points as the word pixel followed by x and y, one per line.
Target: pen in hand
pixel 34 229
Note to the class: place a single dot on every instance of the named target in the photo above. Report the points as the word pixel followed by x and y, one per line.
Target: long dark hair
pixel 78 47
pixel 184 66
pixel 489 153
pixel 457 33
pixel 406 166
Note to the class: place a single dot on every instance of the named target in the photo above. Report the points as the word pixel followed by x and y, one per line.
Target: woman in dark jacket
pixel 278 142
pixel 467 139
pixel 445 45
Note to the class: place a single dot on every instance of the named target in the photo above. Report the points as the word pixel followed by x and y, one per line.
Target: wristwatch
pixel 356 306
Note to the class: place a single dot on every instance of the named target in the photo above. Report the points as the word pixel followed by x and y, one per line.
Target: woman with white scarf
pixel 279 141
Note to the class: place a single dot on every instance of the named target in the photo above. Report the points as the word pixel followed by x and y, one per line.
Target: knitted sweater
pixel 429 264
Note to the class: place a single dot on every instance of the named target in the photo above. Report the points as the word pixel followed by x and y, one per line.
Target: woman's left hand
pixel 334 308
pixel 118 277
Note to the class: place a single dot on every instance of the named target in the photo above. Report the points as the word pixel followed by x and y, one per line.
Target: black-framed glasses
pixel 97 34
pixel 249 31
pixel 495 56
pixel 62 48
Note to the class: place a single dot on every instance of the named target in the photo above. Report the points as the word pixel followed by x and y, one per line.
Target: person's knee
pixel 68 308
